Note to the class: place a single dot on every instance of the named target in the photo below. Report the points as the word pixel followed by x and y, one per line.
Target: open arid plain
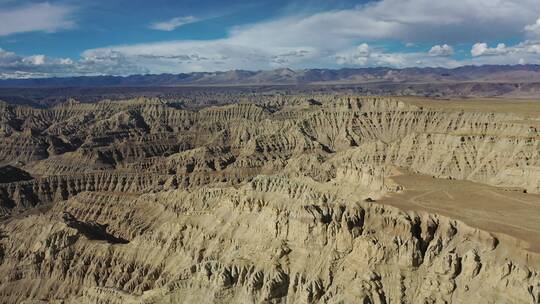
pixel 271 198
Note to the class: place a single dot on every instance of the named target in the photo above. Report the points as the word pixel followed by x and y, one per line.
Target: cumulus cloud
pixel 44 17
pixel 174 23
pixel 34 60
pixel 482 49
pixel 301 41
pixel 360 56
pixel 530 47
pixel 521 53
pixel 533 30
pixel 304 43
pixel 364 55
pixel 16 66
pixel 441 50
pixel 524 48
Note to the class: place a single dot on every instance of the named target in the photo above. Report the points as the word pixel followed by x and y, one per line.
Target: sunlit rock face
pixel 286 199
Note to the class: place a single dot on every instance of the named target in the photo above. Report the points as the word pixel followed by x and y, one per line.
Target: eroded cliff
pixel 291 199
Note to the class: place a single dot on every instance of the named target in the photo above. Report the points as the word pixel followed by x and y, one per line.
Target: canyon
pixel 271 198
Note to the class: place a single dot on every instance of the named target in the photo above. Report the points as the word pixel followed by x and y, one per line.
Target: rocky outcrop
pixel 279 200
pixel 28 194
pixel 273 239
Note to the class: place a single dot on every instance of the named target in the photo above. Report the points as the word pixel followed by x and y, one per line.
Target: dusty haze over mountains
pixel 272 151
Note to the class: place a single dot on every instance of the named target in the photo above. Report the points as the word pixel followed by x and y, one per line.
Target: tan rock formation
pixel 291 199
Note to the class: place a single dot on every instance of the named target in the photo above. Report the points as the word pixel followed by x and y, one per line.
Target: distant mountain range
pixel 486 73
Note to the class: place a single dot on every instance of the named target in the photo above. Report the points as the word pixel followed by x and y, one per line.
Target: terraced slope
pixel 290 199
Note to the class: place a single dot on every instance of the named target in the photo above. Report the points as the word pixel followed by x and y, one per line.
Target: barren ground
pixel 495 209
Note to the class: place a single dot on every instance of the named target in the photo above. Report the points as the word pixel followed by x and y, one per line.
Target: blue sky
pixel 120 37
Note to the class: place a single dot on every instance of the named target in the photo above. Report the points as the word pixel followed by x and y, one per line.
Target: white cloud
pixel 34 60
pixel 363 50
pixel 482 49
pixel 530 47
pixel 411 21
pixel 221 54
pixel 174 23
pixel 360 56
pixel 210 57
pixel 364 55
pixel 527 51
pixel 533 27
pixel 524 52
pixel 441 50
pixel 303 41
pixel 16 66
pixel 526 48
pixel 44 17
pixel 330 39
pixel 532 31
